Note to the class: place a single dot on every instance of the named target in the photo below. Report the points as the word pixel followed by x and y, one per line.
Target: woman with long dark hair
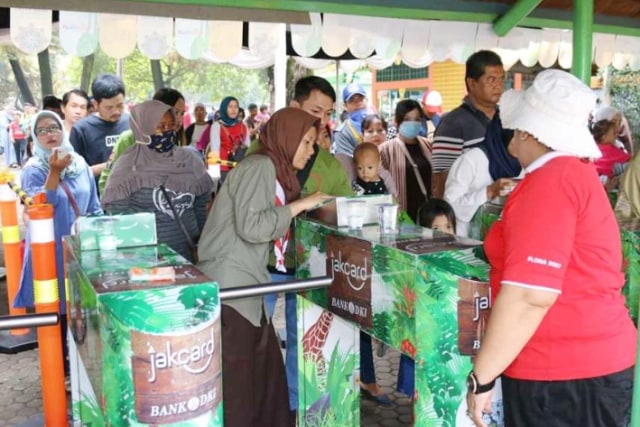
pixel 408 158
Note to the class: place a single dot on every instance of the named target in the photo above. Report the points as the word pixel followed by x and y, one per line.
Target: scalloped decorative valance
pixel 378 42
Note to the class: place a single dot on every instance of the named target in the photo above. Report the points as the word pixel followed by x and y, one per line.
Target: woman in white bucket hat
pixel 559 337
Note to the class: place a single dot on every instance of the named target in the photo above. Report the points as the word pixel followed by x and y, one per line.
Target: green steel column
pixel 582 39
pixel 514 16
pixel 635 406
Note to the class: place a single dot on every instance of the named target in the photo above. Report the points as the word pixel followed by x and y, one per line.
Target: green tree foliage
pixel 624 86
pixel 8 86
pixel 198 80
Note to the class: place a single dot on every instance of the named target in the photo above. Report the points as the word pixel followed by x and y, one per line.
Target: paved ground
pixel 21 399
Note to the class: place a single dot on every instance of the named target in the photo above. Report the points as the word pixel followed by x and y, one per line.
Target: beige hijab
pixel 179 169
pixel 629 200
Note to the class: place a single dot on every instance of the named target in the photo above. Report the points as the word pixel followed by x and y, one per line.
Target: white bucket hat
pixel 605 113
pixel 555 110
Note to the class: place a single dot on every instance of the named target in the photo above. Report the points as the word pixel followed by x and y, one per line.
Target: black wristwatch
pixel 475 387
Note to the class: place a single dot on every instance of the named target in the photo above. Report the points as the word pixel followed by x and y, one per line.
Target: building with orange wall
pixel 400 82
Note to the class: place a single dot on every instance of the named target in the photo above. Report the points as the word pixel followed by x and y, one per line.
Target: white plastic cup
pixel 388 215
pixel 355 214
pixel 107 240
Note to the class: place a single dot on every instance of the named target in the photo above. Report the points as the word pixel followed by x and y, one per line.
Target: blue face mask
pixel 410 130
pixel 163 142
pixel 358 115
pixel 357 118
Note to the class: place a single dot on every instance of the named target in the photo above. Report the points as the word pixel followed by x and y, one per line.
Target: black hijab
pixel 496 140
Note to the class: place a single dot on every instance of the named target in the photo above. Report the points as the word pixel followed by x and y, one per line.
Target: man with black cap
pixel 349 133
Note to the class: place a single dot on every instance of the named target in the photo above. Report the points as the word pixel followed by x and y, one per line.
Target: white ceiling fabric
pixel 416 43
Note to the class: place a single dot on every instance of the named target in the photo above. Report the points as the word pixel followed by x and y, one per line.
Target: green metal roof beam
pixel 514 16
pixel 341 8
pixel 567 25
pixel 540 18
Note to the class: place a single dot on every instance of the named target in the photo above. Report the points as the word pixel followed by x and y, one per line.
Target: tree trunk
pixel 21 81
pixel 271 87
pixel 156 73
pixel 46 83
pixel 295 72
pixel 87 70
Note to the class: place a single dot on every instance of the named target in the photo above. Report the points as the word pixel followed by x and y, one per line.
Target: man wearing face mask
pixel 349 133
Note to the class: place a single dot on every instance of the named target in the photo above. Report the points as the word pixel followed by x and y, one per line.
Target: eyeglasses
pixel 45 131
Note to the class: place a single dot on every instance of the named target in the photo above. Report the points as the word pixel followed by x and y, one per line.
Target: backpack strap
pixel 354 132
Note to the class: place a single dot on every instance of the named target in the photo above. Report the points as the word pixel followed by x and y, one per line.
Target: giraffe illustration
pixel 314 339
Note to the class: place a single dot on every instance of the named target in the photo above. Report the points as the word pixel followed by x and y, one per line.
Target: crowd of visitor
pixel 558 315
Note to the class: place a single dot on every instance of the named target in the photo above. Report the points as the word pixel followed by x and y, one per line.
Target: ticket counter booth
pixel 421 292
pixel 145 327
pixel 629 235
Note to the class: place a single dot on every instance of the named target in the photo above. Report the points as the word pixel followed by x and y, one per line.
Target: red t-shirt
pixel 16 129
pixel 558 233
pixel 231 137
pixel 610 156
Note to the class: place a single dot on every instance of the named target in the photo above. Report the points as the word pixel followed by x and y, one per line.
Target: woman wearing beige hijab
pixel 628 204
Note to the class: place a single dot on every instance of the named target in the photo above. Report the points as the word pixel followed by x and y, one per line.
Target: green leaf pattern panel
pixel 153 311
pixel 631 268
pixel 394 303
pixel 330 398
pixel 415 310
pixel 440 369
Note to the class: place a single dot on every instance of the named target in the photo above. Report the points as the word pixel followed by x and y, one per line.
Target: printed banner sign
pixel 349 265
pixel 176 377
pixel 474 307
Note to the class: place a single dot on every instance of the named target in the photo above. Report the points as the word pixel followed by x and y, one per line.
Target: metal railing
pixel 28 320
pixel 271 288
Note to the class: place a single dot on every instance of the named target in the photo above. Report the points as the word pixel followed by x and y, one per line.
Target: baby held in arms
pixel 366 158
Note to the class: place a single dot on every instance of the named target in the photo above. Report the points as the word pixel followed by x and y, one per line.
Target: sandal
pixel 380 399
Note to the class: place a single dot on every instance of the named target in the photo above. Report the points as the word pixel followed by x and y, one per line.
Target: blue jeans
pixel 367 370
pixel 291 357
pixel 270 300
pixel 406 376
